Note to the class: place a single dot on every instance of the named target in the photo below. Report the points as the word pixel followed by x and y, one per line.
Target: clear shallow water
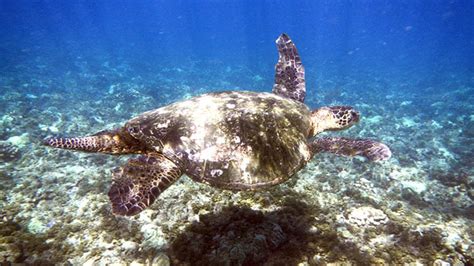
pixel 78 68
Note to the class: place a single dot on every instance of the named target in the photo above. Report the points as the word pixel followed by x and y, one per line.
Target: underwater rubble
pixel 415 208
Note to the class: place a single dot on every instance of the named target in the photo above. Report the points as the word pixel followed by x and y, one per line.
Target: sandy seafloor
pixel 415 208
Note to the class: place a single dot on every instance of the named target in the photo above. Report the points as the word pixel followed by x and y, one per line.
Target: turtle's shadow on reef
pixel 242 236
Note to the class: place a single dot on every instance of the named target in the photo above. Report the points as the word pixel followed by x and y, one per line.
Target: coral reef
pixel 8 151
pixel 416 208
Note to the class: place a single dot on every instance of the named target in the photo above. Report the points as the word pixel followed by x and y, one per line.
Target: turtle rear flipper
pixel 289 71
pixel 372 150
pixel 117 141
pixel 137 184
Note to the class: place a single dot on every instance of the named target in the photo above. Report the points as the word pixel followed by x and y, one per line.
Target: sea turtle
pixel 237 140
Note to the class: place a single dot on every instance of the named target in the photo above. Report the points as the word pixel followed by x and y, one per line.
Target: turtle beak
pixel 355 116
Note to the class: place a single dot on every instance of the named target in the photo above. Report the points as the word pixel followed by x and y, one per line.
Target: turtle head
pixel 118 141
pixel 333 118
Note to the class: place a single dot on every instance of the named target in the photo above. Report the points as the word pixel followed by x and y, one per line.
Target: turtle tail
pixel 114 142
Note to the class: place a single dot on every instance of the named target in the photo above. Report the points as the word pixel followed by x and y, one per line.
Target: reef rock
pixel 8 151
pixel 367 216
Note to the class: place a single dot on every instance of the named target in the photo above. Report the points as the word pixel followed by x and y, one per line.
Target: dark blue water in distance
pixel 389 38
pixel 75 68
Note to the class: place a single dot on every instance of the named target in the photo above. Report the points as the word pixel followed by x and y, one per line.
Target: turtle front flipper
pixel 372 150
pixel 137 184
pixel 289 71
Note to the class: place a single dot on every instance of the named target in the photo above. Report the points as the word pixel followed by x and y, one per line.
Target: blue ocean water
pixel 389 39
pixel 78 67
